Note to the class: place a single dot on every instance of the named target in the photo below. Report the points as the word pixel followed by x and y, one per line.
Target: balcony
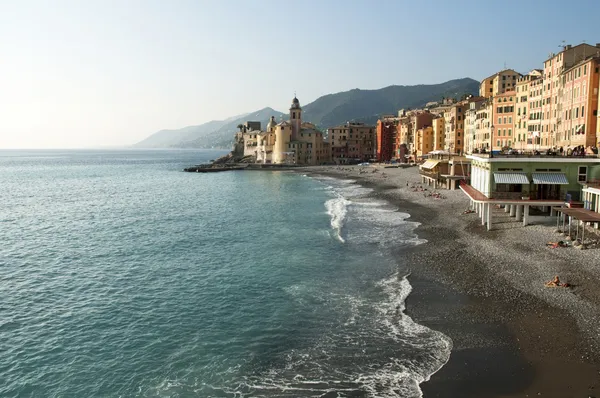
pixel 430 174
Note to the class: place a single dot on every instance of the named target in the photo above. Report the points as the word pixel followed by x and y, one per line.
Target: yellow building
pixel 522 136
pixel 439 132
pixel 499 83
pixel 424 141
pixel 298 142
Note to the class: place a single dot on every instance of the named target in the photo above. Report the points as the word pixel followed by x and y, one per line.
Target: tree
pixel 240 126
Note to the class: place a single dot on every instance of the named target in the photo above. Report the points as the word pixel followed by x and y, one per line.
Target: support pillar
pixel 512 210
pixel 482 213
pixel 489 216
pixel 526 216
pixel 519 213
pixel 506 208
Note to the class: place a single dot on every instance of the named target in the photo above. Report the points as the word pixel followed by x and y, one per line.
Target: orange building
pixel 577 119
pixel 553 87
pixel 504 120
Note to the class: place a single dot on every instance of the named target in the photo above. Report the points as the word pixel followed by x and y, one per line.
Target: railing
pixel 509 195
pixel 534 155
pixel 430 174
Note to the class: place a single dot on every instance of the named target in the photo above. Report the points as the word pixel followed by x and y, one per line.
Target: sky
pixel 97 73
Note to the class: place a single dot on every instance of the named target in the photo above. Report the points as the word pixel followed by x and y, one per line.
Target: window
pixel 509 133
pixel 499 120
pixel 510 119
pixel 582 174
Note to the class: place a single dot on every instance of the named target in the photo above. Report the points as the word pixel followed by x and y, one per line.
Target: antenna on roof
pixel 504 65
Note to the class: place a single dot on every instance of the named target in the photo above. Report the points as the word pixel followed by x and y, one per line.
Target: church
pixel 289 142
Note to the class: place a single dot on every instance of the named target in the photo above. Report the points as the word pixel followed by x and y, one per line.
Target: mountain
pixel 326 111
pixel 367 105
pixel 213 134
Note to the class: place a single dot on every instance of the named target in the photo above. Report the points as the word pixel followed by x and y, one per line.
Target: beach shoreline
pixel 484 289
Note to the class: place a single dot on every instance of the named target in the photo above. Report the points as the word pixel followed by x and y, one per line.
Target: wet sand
pixel 512 336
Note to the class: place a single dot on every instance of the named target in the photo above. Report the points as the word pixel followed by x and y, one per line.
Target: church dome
pixel 295 103
pixel 271 124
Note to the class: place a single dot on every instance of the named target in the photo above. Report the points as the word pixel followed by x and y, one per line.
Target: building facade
pixel 386 133
pixel 454 125
pixel 424 141
pixel 289 142
pixel 504 114
pixel 577 121
pixel 352 142
pixel 521 134
pixel 439 132
pixel 498 83
pixel 553 88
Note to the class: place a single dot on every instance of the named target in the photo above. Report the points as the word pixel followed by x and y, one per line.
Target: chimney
pixel 567 47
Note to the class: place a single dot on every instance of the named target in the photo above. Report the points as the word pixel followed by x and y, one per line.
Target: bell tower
pixel 295 117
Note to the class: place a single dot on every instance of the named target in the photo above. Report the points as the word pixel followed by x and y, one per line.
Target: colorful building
pixel 291 141
pixel 386 133
pixel 503 120
pixel 352 143
pixel 553 86
pixel 498 83
pixel 454 124
pixel 439 132
pixel 424 141
pixel 579 105
pixel 523 137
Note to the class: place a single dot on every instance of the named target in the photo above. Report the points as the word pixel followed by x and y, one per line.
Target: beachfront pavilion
pixel 443 169
pixel 519 182
pixel 591 197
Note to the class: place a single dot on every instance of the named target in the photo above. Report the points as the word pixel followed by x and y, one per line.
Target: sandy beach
pixel 513 336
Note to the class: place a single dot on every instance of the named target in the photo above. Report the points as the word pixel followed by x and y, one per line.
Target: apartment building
pixel 439 132
pixel 454 124
pixel 424 141
pixel 386 133
pixel 577 120
pixel 352 142
pixel 499 83
pixel 503 122
pixel 534 124
pixel 483 124
pixel 521 134
pixel 471 123
pixel 554 66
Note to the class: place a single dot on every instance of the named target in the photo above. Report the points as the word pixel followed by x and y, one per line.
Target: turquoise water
pixel 121 276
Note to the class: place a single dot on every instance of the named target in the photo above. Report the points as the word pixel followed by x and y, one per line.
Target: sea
pixel 123 276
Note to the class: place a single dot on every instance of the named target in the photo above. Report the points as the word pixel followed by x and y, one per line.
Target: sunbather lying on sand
pixel 556 283
pixel 554 245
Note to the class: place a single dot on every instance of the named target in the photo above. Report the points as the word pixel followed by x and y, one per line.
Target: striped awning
pixel 430 164
pixel 511 178
pixel 550 178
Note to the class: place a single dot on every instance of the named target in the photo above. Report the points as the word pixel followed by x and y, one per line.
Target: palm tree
pixel 240 126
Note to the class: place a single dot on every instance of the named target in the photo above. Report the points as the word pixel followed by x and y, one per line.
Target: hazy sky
pixel 89 73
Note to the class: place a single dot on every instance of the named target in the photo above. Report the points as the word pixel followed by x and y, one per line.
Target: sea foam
pixel 337 209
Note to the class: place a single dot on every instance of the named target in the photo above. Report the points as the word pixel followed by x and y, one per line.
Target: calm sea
pixel 122 276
